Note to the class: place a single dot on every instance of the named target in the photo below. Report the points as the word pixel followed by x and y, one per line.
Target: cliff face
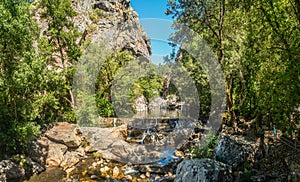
pixel 113 22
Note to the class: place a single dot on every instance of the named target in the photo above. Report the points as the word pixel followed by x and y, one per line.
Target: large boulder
pixel 65 133
pixel 140 104
pixel 235 150
pixel 112 145
pixel 58 146
pixel 56 153
pixel 202 170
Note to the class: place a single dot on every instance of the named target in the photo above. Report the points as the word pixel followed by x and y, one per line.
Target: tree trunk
pixel 221 60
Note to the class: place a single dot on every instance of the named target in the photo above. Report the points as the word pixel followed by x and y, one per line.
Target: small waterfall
pixel 115 122
pixel 145 134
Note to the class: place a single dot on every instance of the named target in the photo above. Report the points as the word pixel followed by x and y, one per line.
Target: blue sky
pixel 150 8
pixel 157 25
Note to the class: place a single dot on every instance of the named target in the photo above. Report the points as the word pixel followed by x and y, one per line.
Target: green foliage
pixel 97 14
pixel 257 44
pixel 106 80
pixel 18 73
pixel 120 70
pixel 60 52
pixel 97 155
pixel 205 149
pixel 105 108
pixel 33 90
pixel 149 86
pixel 195 70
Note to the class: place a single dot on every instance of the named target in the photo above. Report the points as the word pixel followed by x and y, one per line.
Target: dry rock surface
pixel 100 153
pixel 202 170
pixel 235 150
pixel 114 23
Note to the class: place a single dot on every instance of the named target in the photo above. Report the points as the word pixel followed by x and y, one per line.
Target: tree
pixel 106 79
pixel 208 18
pixel 19 77
pixel 275 49
pixel 257 44
pixel 61 51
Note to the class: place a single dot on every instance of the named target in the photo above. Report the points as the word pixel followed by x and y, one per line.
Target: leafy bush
pixel 32 93
pixel 205 149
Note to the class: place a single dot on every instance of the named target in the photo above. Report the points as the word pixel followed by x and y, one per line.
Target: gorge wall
pixel 114 23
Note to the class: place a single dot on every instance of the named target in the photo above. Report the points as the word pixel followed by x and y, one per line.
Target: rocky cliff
pixel 113 22
pixel 110 22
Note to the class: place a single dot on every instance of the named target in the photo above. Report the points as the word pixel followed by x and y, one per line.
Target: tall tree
pixel 60 48
pixel 208 18
pixel 19 77
pixel 257 44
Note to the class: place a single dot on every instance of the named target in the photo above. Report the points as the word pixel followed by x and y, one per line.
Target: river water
pixel 163 121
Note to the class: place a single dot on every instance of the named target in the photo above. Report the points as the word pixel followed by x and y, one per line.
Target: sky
pixel 156 24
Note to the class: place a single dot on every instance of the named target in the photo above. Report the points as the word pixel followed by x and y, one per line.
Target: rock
pixel 35 166
pixel 115 23
pixel 104 171
pixel 51 174
pixel 56 153
pixel 39 150
pixel 128 177
pixel 110 143
pixel 116 172
pixel 179 153
pixel 148 174
pixel 158 102
pixel 140 104
pixel 70 159
pixel 51 148
pixel 157 177
pixel 142 176
pixel 234 151
pixel 130 171
pixel 47 152
pixel 70 170
pixel 65 133
pixel 202 170
pixel 156 168
pixel 293 164
pixel 94 177
pixel 9 171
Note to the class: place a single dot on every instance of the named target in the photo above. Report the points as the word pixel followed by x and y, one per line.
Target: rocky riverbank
pixel 66 152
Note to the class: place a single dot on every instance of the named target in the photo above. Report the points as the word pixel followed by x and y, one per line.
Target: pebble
pixel 128 177
pixel 84 172
pixel 130 171
pixel 148 174
pixel 157 177
pixel 116 172
pixel 94 177
pixel 179 153
pixel 142 176
pixel 69 170
pixel 104 169
pixel 100 161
